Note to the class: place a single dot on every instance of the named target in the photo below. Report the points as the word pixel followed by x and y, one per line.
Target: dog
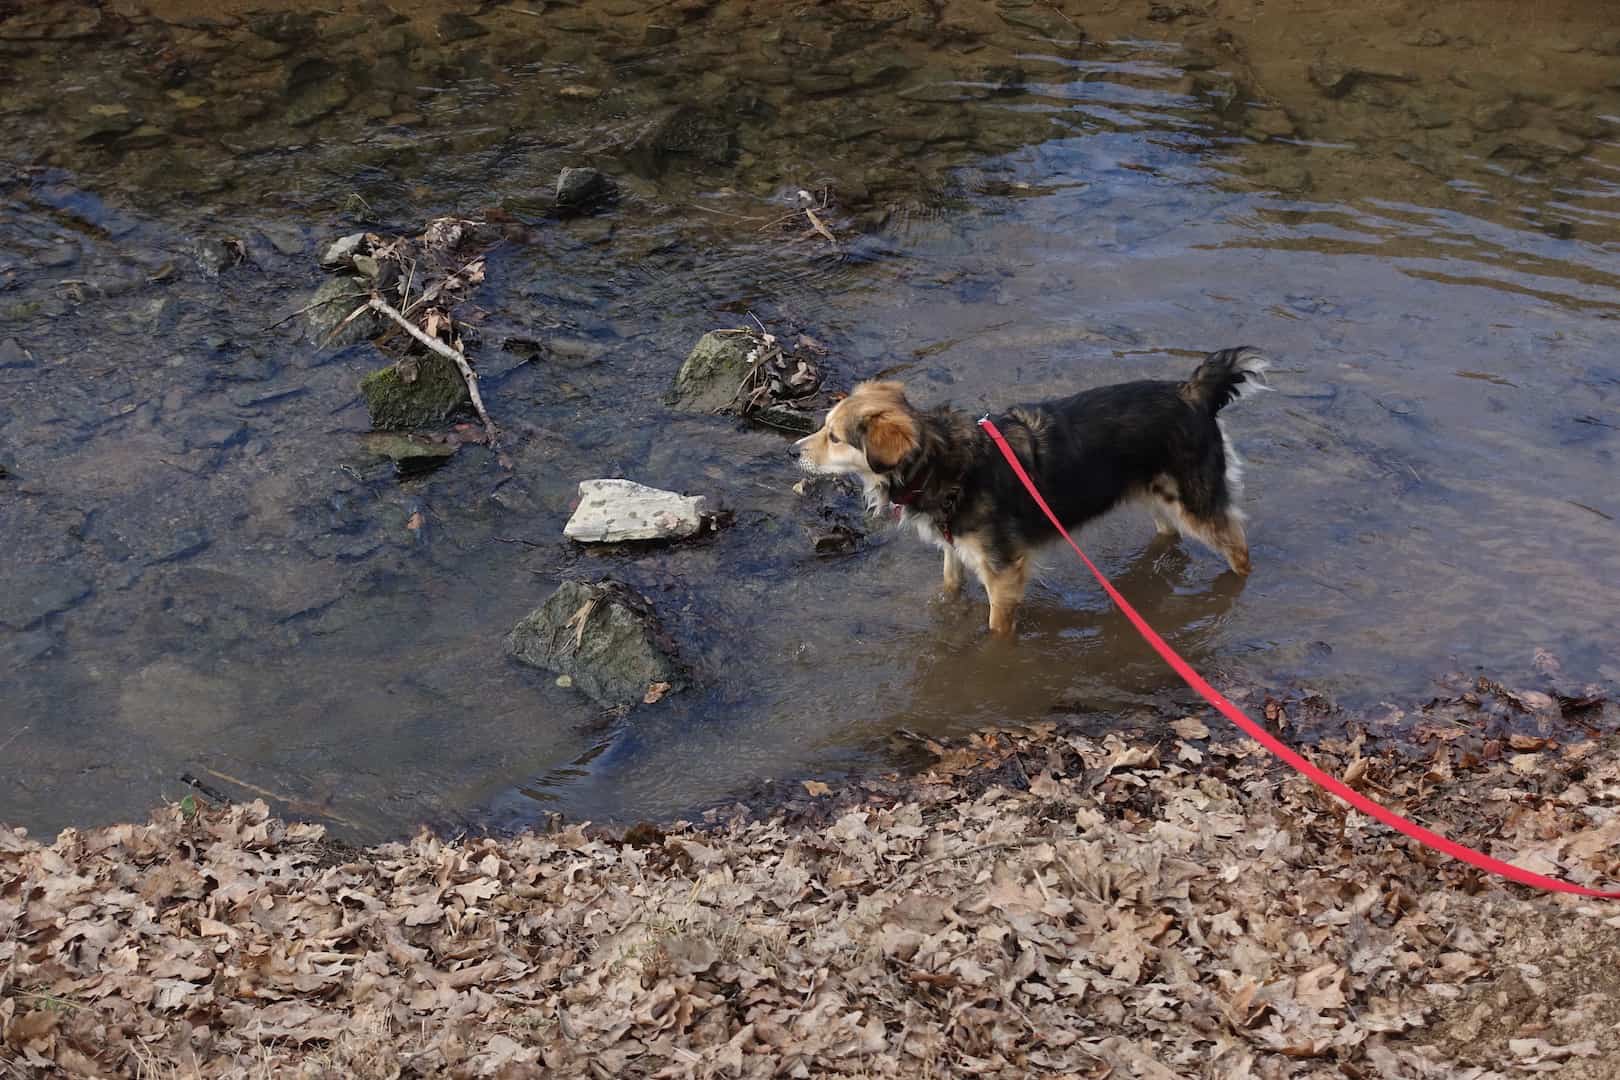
pixel 1155 441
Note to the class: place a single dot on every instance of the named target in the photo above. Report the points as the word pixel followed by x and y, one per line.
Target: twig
pixel 1068 20
pixel 311 307
pixel 1002 846
pixel 297 805
pixel 382 307
pixel 51 1000
pixel 722 213
pixel 212 792
pixel 333 333
pixel 405 295
pixel 15 735
pixel 819 227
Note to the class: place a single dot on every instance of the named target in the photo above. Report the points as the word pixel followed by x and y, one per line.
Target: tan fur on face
pixel 869 432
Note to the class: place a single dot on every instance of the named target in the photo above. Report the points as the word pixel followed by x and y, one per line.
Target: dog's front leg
pixel 1006 587
pixel 953 573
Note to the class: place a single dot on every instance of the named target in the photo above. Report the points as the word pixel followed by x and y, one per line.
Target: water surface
pixel 1417 212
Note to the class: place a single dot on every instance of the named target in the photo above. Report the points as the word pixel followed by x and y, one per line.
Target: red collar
pixel 909 494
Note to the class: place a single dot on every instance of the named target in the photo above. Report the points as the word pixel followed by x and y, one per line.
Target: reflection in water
pixel 1072 647
pixel 1417 211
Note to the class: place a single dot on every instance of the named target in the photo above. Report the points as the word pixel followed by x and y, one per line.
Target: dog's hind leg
pixel 1164 515
pixel 953 572
pixel 1006 585
pixel 1201 499
pixel 1223 533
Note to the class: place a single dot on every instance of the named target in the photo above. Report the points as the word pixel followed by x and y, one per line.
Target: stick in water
pixel 382 307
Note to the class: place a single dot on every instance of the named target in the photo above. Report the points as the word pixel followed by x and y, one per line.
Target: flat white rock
pixel 611 511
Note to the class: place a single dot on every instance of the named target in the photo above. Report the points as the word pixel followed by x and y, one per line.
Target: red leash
pixel 1271 742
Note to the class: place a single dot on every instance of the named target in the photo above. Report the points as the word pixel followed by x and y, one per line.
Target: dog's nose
pixel 793 450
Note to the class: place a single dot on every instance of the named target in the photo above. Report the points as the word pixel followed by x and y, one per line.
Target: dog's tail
pixel 1225 376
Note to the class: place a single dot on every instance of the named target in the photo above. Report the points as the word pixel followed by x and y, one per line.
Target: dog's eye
pixel 832 437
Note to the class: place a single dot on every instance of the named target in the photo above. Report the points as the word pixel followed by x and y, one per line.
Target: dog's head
pixel 867 434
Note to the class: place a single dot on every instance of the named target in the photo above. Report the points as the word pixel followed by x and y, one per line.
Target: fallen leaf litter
pixel 1036 903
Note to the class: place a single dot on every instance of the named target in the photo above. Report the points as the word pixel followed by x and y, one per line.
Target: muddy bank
pixel 1034 902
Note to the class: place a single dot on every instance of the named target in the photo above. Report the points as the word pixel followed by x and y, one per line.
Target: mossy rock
pixel 708 380
pixel 605 637
pixel 716 367
pixel 417 392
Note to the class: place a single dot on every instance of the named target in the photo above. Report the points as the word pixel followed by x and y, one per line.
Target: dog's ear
pixel 889 434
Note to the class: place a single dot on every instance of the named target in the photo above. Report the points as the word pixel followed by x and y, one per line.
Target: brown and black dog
pixel 1158 441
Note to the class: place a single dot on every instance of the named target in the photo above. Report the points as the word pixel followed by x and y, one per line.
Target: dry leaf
pixel 1190 727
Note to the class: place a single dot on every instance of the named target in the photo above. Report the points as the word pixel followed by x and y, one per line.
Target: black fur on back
pixel 1086 453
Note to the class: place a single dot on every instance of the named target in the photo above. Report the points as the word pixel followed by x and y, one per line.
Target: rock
pixel 716 367
pixel 1428 114
pixel 316 100
pixel 1336 80
pixel 144 137
pixel 1546 145
pixel 283 28
pixel 58 256
pixel 1270 124
pixel 13 355
pixel 455 26
pixel 578 92
pixel 107 122
pixel 418 391
pixel 182 544
pixel 572 353
pixel 17 651
pixel 1427 38
pixel 605 637
pixel 835 539
pixel 286 239
pixel 411 454
pixel 611 511
pixel 340 252
pixel 681 130
pixel 581 188
pixel 1332 77
pixel 34 593
pixel 1498 116
pixel 708 380
pixel 215 255
pixel 332 303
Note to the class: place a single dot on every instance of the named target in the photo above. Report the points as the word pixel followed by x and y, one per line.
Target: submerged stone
pixel 342 251
pixel 332 303
pixel 582 188
pixel 35 593
pixel 13 355
pixel 409 453
pixel 606 638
